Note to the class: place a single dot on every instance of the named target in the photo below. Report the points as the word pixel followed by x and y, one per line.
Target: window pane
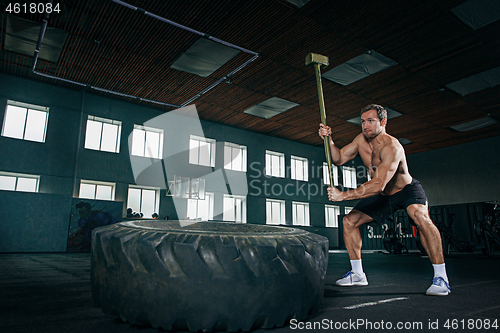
pixel 300 170
pixel 27 184
pixel 228 207
pixel 8 183
pixel 276 212
pixel 87 191
pixel 15 118
pixel 138 141
pixel 193 151
pixel 104 192
pixel 148 202
pixel 109 136
pixel 237 159
pixel 204 208
pixel 152 144
pixel 93 135
pixel 205 153
pixel 134 199
pixel 35 125
pixel 192 209
pixel 227 157
pixel 268 212
pixel 275 164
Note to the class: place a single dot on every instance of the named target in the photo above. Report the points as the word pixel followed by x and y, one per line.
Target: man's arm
pixel 339 156
pixel 390 156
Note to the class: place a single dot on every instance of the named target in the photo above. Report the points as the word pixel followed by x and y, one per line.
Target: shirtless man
pixel 391 188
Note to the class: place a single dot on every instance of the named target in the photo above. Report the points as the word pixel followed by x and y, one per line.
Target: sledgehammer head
pixel 313 58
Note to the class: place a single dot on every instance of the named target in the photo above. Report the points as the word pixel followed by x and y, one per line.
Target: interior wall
pixel 464 173
pixel 62 162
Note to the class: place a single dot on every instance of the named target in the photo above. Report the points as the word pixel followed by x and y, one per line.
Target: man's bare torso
pixel 369 151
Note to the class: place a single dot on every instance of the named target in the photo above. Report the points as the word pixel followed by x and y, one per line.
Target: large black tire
pixel 207 275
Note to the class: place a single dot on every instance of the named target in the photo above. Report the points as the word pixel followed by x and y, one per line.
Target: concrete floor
pixel 51 293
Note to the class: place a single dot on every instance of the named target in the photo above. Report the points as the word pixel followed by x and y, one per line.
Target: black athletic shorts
pixel 379 207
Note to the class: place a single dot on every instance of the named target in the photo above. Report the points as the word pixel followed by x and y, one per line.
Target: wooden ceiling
pixel 113 47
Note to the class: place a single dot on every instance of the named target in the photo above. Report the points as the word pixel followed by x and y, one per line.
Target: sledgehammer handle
pixel 323 120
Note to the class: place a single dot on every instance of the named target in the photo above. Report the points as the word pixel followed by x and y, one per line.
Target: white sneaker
pixel 352 278
pixel 439 287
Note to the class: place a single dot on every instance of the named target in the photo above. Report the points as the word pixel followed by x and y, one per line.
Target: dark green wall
pixel 62 161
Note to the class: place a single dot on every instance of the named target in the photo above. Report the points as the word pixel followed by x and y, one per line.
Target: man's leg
pixel 429 233
pixel 353 243
pixel 431 240
pixel 352 236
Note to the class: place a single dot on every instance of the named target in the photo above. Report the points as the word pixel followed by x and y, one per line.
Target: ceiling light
pixel 204 57
pixel 404 141
pixel 478 13
pixel 390 114
pixel 298 3
pixel 21 36
pixel 474 124
pixel 476 82
pixel 358 68
pixel 270 108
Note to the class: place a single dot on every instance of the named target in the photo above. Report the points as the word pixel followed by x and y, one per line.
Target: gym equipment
pixel 393 242
pixel 319 61
pixel 487 230
pixel 205 276
pixel 447 238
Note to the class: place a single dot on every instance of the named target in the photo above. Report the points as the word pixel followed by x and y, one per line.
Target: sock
pixel 357 266
pixel 440 270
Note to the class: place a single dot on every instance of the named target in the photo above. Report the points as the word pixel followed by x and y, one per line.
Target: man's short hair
pixel 381 111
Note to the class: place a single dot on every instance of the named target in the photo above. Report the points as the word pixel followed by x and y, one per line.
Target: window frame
pixel 326 177
pixel 349 172
pixel 196 150
pixel 328 222
pixel 208 196
pixel 147 188
pixel 307 221
pixel 104 121
pixel 230 165
pixel 269 164
pixel 243 208
pixel 96 184
pixel 270 215
pixel 22 176
pixel 27 107
pixel 147 130
pixel 305 168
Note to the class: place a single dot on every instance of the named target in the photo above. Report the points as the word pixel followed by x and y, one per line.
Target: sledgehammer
pixel 321 61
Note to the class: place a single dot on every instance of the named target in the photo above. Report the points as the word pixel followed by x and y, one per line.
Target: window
pixel 19 182
pixel 300 213
pixel 299 168
pixel 103 134
pixel 203 209
pixel 347 210
pixel 275 211
pixel 349 174
pixel 275 164
pixel 201 151
pixel 143 200
pixel 235 157
pixel 326 177
pixel 97 190
pixel 234 208
pixel 25 121
pixel 147 142
pixel 332 216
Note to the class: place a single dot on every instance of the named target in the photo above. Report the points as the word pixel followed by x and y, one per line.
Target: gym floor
pixel 51 293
